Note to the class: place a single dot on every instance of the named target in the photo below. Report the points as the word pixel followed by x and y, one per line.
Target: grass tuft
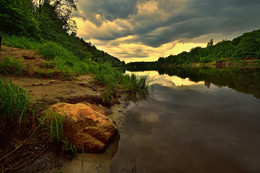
pixel 14 100
pixel 136 87
pixel 53 122
pixel 48 64
pixel 11 66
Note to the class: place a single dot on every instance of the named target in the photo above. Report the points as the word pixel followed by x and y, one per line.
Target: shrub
pixel 51 50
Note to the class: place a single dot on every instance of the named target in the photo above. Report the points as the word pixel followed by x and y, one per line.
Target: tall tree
pixel 17 17
pixel 59 10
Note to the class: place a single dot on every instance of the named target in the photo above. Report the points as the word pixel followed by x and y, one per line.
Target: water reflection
pixel 245 80
pixel 166 80
pixel 187 127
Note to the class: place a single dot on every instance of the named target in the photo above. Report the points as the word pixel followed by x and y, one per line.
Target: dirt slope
pixel 45 92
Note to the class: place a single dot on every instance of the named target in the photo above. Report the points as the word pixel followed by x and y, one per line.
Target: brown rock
pixel 85 127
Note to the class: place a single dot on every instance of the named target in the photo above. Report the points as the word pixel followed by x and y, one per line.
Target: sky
pixel 144 30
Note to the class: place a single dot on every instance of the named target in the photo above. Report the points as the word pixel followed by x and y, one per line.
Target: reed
pixel 14 100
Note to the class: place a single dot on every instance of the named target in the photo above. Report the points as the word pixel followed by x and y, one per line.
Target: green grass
pixel 48 64
pixel 68 66
pixel 11 66
pixel 20 42
pixel 53 122
pixel 136 87
pixel 55 125
pixel 14 100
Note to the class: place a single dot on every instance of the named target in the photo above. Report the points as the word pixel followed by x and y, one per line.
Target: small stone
pixel 52 81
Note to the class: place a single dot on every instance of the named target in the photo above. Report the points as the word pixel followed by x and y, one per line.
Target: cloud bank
pixel 148 29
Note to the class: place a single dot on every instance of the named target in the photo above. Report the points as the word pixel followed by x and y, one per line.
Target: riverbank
pixel 250 63
pixel 24 142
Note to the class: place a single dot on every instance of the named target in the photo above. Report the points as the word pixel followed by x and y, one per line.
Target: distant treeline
pixel 49 20
pixel 246 46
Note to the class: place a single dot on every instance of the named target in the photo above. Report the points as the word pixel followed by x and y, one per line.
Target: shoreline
pixel 73 92
pixel 45 91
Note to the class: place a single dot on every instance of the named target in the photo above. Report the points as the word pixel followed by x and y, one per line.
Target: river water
pixel 191 123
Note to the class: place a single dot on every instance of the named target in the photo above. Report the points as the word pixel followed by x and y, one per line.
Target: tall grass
pixel 136 87
pixel 53 122
pixel 20 42
pixel 14 100
pixel 55 125
pixel 11 66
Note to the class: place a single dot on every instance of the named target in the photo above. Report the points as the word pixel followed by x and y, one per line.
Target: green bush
pixel 51 50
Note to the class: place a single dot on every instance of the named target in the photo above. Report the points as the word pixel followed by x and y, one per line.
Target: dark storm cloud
pixel 205 17
pixel 108 9
pixel 173 19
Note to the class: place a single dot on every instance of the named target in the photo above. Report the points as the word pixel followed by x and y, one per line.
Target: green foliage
pixel 248 45
pixel 205 59
pixel 11 66
pixel 47 21
pixel 107 76
pixel 48 64
pixel 53 122
pixel 52 50
pixel 14 100
pixel 136 87
pixel 20 42
pixel 39 73
pixel 68 66
pixel 55 125
pixel 17 17
pixel 107 95
pixel 67 146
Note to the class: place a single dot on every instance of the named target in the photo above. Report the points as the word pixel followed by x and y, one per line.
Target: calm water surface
pixel 190 127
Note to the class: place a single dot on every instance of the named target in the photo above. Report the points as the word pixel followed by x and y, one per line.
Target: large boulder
pixel 85 126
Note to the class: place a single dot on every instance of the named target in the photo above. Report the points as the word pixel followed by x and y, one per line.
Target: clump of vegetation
pixel 51 50
pixel 14 100
pixel 48 64
pixel 20 42
pixel 39 73
pixel 53 123
pixel 136 87
pixel 11 66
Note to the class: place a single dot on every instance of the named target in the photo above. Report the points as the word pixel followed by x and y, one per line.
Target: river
pixel 195 121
